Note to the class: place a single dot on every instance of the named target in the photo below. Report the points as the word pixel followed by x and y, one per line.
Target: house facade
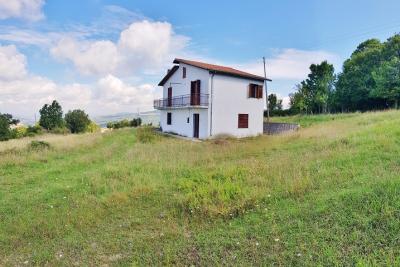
pixel 203 100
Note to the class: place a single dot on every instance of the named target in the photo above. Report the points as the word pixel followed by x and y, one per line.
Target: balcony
pixel 182 101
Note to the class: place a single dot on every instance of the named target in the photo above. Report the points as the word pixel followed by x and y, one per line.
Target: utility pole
pixel 266 89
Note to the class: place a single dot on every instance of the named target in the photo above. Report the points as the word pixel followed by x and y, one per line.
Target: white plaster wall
pixel 230 97
pixel 181 86
pixel 179 121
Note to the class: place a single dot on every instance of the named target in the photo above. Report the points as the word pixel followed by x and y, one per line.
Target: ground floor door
pixel 196 125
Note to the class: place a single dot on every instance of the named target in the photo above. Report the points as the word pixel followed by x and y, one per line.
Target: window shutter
pixel 260 91
pixel 184 72
pixel 198 86
pixel 243 120
pixel 249 91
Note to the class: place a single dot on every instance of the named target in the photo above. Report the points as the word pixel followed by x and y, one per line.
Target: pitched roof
pixel 211 67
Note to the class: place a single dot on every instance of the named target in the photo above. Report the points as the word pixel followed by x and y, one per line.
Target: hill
pixel 328 194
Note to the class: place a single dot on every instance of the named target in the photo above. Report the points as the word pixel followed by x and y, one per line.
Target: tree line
pixel 51 120
pixel 370 80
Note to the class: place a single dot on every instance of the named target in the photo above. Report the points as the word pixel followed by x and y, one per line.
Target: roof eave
pixel 168 75
pixel 257 78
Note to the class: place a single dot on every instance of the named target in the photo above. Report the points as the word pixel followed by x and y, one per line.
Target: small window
pixel 187 120
pixel 184 72
pixel 255 91
pixel 169 118
pixel 243 121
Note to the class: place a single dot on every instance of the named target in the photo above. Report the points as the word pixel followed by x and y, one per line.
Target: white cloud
pixel 89 57
pixel 114 93
pixel 23 93
pixel 12 63
pixel 290 64
pixel 144 45
pixel 24 9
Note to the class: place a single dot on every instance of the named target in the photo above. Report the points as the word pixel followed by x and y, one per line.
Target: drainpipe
pixel 211 101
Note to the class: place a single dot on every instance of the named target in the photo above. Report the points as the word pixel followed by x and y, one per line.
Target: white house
pixel 202 100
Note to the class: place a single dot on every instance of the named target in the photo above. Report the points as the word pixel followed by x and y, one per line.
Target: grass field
pixel 326 195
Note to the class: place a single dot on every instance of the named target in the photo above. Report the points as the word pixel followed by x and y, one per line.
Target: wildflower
pixel 276 239
pixel 257 244
pixel 298 254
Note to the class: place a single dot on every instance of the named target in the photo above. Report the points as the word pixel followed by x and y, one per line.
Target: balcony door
pixel 195 93
pixel 169 99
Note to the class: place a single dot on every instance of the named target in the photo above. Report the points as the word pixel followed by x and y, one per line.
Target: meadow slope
pixel 328 194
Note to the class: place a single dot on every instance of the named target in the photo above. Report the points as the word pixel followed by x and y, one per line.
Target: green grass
pixel 326 195
pixel 307 120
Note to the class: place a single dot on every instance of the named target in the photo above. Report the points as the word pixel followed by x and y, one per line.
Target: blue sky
pixel 108 56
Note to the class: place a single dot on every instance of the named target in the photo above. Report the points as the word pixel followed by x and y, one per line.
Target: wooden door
pixel 196 125
pixel 169 96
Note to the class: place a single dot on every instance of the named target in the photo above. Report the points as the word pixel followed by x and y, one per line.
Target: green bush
pixel 93 127
pixel 136 122
pixel 34 130
pixel 38 145
pixel 119 124
pixel 77 121
pixel 20 131
pixel 146 134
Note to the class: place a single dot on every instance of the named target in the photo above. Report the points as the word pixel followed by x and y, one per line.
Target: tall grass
pixel 325 195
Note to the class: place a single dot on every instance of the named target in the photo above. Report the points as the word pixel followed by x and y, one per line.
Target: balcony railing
pixel 197 100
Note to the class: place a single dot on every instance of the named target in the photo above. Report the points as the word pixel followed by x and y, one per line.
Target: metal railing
pixel 182 101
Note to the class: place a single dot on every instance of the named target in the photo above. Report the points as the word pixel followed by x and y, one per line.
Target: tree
pixel 51 116
pixel 6 120
pixel 320 85
pixel 312 95
pixel 77 121
pixel 298 102
pixel 387 74
pixel 355 83
pixel 274 103
pixel 387 79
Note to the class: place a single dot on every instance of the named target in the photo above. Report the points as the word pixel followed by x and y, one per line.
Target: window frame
pixel 255 91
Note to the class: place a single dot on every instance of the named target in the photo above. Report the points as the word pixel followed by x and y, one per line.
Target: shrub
pixel 93 127
pixel 146 134
pixel 77 121
pixel 19 132
pixel 119 124
pixel 34 130
pixel 136 122
pixel 38 145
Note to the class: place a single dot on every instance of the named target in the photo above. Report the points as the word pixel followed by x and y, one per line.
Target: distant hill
pixel 147 117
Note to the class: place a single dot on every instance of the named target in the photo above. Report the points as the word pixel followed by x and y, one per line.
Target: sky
pixel 107 57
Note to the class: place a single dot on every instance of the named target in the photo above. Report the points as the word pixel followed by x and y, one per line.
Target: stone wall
pixel 278 128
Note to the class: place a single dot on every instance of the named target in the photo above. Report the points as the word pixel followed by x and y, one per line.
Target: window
pixel 184 72
pixel 169 118
pixel 243 121
pixel 187 120
pixel 255 91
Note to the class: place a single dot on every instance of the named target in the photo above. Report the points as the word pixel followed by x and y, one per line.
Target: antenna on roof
pixel 266 89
